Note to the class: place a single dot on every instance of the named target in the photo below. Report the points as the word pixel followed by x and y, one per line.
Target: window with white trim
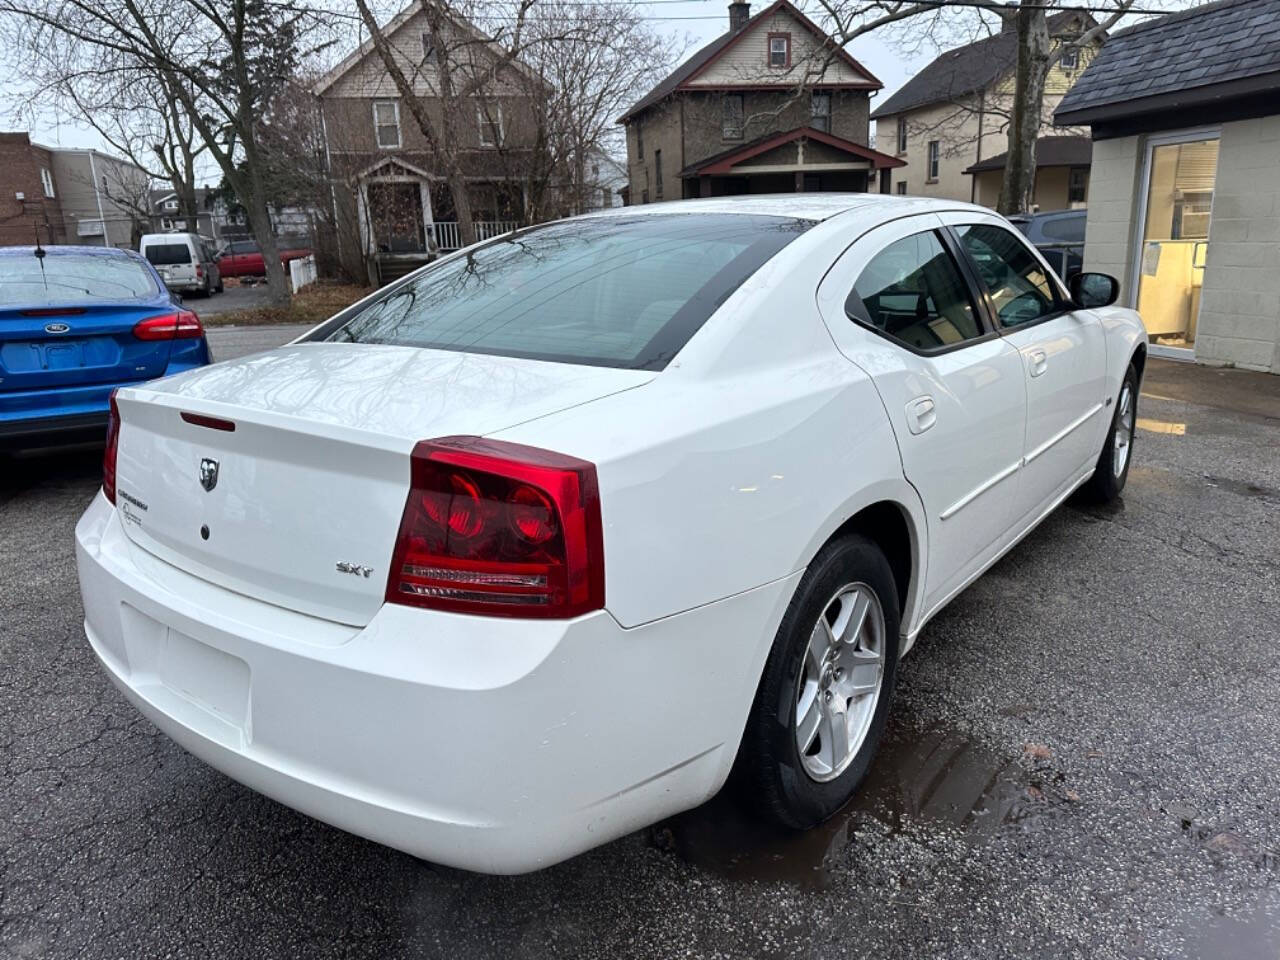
pixel 934 153
pixel 46 181
pixel 428 49
pixel 1070 58
pixel 902 134
pixel 490 120
pixel 780 50
pixel 386 123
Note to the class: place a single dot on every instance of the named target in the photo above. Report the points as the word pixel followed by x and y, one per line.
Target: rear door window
pixel 1064 229
pixel 913 292
pixel 168 254
pixel 619 291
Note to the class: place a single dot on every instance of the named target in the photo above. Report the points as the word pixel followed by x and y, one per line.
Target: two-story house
pixel 385 176
pixel 772 105
pixel 30 202
pixel 950 122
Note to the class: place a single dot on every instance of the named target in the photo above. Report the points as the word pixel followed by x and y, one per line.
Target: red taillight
pixel 499 529
pixel 199 271
pixel 109 453
pixel 182 325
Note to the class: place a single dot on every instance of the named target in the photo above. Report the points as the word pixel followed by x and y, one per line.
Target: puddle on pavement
pixel 937 777
pixel 1241 488
pixel 1249 935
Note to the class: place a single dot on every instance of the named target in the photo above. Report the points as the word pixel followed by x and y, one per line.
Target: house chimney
pixel 739 14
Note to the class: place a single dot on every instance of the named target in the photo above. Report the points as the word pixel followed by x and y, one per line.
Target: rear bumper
pixel 53 431
pixel 491 745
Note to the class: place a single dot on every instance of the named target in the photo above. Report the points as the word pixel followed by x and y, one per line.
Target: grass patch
pixel 314 304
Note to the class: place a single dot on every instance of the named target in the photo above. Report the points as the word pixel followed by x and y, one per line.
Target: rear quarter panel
pixel 732 468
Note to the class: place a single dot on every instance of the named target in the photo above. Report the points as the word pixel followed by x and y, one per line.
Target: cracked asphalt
pixel 1083 761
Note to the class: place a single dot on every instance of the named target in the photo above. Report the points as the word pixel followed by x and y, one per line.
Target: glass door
pixel 1175 236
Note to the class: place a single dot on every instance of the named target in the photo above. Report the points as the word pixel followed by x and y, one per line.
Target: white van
pixel 184 262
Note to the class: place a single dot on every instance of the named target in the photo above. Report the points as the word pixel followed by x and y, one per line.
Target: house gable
pixel 813 57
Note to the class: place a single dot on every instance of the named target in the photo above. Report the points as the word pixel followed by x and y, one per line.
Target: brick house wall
pixel 21 163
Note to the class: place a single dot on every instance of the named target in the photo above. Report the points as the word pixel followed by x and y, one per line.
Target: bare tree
pixel 459 63
pixel 217 63
pixel 1037 55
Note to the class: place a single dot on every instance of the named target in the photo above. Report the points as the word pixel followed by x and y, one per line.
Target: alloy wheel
pixel 839 684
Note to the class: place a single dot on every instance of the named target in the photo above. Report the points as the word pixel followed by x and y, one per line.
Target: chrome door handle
pixel 1039 362
pixel 921 414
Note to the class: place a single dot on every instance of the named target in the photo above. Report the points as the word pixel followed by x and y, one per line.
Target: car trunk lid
pixel 283 476
pixel 51 346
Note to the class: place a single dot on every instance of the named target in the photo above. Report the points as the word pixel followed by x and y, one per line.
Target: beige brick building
pixel 1185 201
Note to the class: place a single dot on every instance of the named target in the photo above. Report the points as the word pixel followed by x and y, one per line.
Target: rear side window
pixel 244 246
pixel 73 278
pixel 167 254
pixel 623 291
pixel 1064 229
pixel 1020 287
pixel 913 292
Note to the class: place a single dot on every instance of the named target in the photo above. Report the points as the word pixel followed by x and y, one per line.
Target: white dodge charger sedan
pixel 529 549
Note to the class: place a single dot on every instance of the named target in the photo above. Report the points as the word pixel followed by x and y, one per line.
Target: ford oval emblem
pixel 56 328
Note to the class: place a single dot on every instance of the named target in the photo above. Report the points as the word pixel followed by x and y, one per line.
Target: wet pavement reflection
pixel 939 776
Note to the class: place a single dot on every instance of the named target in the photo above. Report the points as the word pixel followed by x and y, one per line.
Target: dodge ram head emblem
pixel 208 473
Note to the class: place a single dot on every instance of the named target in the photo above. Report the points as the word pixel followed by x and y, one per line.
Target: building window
pixel 657 173
pixel 490 125
pixel 1077 184
pixel 428 49
pixel 731 122
pixel 933 160
pixel 644 195
pixel 46 180
pixel 639 140
pixel 821 113
pixel 386 123
pixel 780 50
pixel 902 134
pixel 171 204
pixel 902 187
pixel 1070 58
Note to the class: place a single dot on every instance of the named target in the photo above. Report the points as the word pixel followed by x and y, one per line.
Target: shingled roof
pixel 1186 54
pixel 671 83
pixel 964 70
pixel 1050 152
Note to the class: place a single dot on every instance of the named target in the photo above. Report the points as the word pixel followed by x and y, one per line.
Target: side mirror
pixel 1093 289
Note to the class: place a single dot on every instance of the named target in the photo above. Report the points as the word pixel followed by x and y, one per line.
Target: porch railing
pixel 448 238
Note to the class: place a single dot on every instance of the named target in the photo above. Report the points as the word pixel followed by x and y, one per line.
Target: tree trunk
pixel 1018 187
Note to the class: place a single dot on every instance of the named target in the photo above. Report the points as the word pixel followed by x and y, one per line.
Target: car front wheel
pixel 822 702
pixel 1112 469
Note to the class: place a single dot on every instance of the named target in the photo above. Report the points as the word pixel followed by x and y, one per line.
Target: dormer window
pixel 1070 58
pixel 780 50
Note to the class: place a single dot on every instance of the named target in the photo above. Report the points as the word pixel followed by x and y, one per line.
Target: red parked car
pixel 243 258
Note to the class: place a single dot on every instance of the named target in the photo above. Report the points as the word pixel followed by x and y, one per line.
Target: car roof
pixel 58 250
pixel 801 206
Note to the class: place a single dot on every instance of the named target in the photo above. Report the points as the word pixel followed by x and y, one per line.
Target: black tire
pixel 771 766
pixel 218 288
pixel 1106 483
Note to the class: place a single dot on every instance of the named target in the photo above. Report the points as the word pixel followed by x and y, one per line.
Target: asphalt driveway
pixel 1084 760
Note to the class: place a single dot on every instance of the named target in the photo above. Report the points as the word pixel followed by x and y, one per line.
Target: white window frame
pixel 933 160
pixel 483 121
pixel 377 139
pixel 46 181
pixel 1070 59
pixel 902 135
pixel 785 51
pixel 1140 222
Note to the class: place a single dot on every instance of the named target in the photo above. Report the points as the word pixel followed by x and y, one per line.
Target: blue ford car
pixel 75 323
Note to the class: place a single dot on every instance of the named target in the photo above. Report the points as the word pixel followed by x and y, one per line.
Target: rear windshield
pixel 1068 229
pixel 165 254
pixel 72 278
pixel 624 291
